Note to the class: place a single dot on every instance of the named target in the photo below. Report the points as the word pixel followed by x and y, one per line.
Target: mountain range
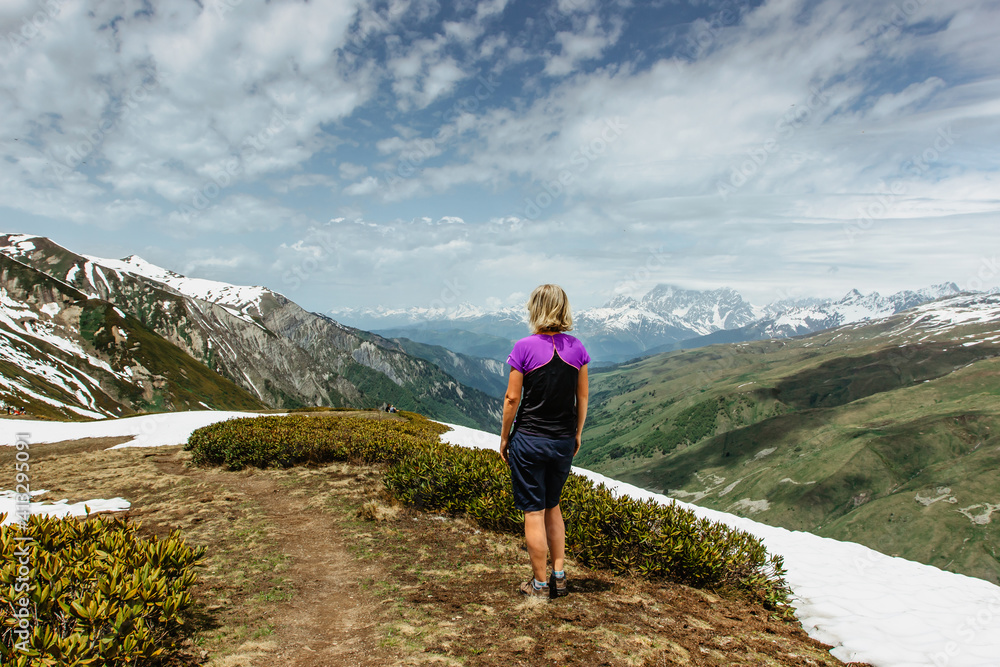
pixel 665 318
pixel 87 336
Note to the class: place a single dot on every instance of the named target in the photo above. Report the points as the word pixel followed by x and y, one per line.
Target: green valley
pixel 879 433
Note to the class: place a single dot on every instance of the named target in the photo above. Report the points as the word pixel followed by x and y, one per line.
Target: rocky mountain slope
pixel 280 354
pixel 64 354
pixel 882 432
pixel 486 375
pixel 663 319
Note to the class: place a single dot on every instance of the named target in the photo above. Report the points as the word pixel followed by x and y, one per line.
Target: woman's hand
pixel 503 450
pixel 579 441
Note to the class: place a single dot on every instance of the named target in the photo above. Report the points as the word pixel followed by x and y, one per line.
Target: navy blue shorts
pixel 539 468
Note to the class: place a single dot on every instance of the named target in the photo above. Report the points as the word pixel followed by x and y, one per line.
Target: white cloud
pixel 368 186
pixel 891 104
pixel 586 43
pixel 297 181
pixel 233 213
pixel 350 171
pixel 168 137
pixel 423 72
pixel 818 107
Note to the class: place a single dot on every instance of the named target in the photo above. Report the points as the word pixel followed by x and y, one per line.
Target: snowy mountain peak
pixel 621 301
pixel 854 296
pixel 243 301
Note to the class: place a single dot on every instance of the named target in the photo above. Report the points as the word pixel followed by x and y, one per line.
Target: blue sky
pixel 391 153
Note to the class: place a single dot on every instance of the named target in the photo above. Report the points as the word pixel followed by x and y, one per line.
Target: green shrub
pixel 624 535
pixel 284 441
pixel 100 594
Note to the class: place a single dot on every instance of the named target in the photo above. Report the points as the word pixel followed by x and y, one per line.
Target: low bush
pixel 100 593
pixel 624 535
pixel 285 441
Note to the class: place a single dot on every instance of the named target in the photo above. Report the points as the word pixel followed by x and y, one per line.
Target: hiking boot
pixel 557 586
pixel 528 588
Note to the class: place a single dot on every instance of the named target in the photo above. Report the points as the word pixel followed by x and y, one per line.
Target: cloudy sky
pixel 407 153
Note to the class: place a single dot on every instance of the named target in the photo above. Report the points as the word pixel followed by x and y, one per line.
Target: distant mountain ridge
pixel 666 317
pixel 274 350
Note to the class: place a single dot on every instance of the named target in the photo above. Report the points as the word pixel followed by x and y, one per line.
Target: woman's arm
pixel 582 396
pixel 511 400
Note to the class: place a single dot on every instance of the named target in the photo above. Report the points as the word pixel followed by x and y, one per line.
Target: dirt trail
pixel 327 622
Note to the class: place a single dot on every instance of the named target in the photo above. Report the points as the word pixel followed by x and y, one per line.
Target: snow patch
pixel 60 508
pixel 764 453
pixel 982 518
pixel 729 489
pixel 157 430
pixel 748 506
pixel 942 493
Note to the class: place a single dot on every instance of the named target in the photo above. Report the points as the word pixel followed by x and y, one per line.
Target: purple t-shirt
pixel 551 367
pixel 537 350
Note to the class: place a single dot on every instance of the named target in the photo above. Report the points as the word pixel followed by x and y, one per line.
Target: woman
pixel 545 406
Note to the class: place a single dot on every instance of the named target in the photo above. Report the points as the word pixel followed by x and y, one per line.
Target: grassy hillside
pixel 878 434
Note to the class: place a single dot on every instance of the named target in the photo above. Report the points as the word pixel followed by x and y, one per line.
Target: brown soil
pixel 316 567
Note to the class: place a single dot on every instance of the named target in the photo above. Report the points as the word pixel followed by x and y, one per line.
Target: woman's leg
pixel 555 531
pixel 535 536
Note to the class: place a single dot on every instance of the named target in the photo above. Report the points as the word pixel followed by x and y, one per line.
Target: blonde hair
pixel 548 310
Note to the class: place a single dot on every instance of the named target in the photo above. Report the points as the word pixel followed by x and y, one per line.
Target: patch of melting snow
pixel 694 496
pixel 729 489
pixel 50 309
pixel 60 508
pixel 943 494
pixel 764 453
pixel 748 506
pixel 982 518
